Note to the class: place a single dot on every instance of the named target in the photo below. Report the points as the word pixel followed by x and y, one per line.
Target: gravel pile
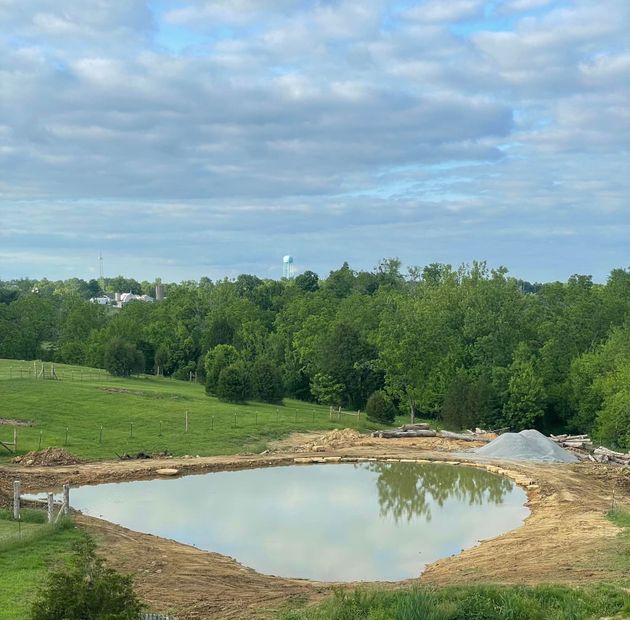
pixel 529 445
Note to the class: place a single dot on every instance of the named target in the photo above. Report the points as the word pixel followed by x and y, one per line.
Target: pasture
pixel 96 416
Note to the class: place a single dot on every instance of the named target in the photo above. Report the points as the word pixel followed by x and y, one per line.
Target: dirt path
pixel 565 540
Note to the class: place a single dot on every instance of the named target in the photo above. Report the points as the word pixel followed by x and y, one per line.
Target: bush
pixel 380 408
pixel 87 589
pixel 233 385
pixel 122 359
pixel 216 360
pixel 266 381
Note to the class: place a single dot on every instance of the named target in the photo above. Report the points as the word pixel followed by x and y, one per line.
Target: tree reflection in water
pixel 407 490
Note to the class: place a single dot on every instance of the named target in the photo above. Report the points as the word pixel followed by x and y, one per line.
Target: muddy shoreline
pixel 557 543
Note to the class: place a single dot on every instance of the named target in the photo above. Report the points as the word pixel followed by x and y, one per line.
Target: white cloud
pixel 308 118
pixel 439 11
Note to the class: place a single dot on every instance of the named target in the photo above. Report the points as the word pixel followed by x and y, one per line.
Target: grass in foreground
pixel 471 603
pixel 144 414
pixel 24 563
pixel 619 552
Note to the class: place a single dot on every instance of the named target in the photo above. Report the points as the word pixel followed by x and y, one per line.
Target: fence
pixel 41 370
pixel 64 508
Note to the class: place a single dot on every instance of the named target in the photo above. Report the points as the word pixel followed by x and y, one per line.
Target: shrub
pixel 222 356
pixel 122 359
pixel 380 408
pixel 87 589
pixel 266 381
pixel 233 385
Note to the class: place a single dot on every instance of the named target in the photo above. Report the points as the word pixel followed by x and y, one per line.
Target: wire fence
pixel 185 431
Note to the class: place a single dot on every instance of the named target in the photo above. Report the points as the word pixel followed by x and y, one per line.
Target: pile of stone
pixel 528 445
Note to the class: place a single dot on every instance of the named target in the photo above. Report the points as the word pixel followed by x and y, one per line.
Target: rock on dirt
pixel 49 456
pixel 167 471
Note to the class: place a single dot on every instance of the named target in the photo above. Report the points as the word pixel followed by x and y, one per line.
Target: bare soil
pixel 566 539
pixel 47 457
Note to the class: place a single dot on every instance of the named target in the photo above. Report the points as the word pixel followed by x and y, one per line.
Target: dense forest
pixel 472 346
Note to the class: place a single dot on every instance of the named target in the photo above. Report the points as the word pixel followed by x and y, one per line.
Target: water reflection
pixel 407 490
pixel 329 522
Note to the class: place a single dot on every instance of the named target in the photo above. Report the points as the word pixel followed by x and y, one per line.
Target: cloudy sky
pixel 210 137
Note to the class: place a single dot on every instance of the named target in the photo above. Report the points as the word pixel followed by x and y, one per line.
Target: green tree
pixel 162 359
pixel 526 396
pixel 217 359
pixel 380 408
pixel 122 359
pixel 307 282
pixel 325 390
pixel 87 589
pixel 266 381
pixel 233 385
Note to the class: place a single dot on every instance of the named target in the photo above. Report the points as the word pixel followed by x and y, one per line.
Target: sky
pixel 195 138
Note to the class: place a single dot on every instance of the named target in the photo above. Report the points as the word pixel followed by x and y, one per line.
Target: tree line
pixel 472 346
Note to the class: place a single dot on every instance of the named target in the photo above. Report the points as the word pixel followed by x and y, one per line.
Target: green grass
pixel 143 414
pixel 619 553
pixel 471 603
pixel 25 562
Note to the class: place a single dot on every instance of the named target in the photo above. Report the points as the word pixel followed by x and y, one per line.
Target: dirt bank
pixel 565 540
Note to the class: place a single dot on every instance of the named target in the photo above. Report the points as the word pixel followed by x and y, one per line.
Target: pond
pixel 334 522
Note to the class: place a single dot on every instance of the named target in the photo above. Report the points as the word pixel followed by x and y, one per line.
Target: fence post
pixel 50 508
pixel 16 500
pixel 187 421
pixel 15 440
pixel 66 499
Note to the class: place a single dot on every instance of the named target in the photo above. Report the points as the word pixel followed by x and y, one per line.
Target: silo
pixel 159 291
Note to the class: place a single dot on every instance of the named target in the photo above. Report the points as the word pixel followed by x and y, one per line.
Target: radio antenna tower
pixel 101 278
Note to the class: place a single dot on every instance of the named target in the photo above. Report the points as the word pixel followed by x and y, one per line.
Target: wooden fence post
pixel 50 508
pixel 16 500
pixel 66 499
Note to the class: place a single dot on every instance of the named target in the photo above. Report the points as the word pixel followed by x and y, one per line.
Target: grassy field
pixel 472 603
pixel 96 416
pixel 27 551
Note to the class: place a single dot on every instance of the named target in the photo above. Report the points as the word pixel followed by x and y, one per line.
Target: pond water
pixel 341 522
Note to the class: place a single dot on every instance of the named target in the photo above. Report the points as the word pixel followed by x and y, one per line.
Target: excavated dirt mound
pixel 49 456
pixel 350 438
pixel 338 438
